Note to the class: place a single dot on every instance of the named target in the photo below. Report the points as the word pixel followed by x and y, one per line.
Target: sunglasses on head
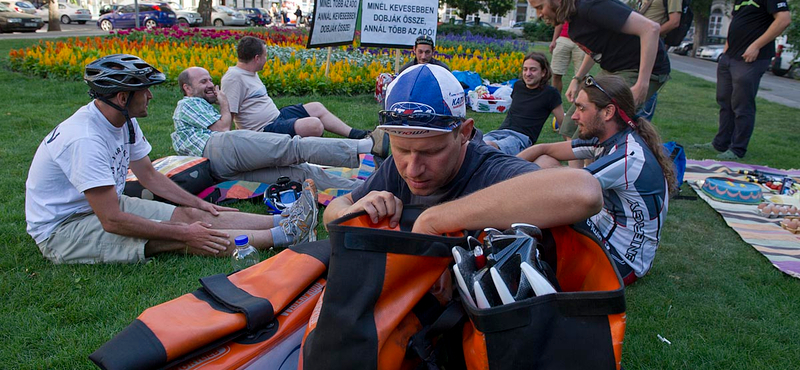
pixel 591 82
pixel 420 119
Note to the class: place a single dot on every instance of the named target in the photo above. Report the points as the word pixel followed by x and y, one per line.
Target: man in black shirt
pixel 435 159
pixel 423 53
pixel 750 46
pixel 623 42
pixel 533 100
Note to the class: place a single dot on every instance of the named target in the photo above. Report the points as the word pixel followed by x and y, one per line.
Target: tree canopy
pixel 467 7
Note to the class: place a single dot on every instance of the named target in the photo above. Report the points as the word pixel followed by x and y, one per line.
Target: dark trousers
pixel 737 85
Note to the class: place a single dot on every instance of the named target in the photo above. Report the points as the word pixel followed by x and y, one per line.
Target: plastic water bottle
pixel 245 254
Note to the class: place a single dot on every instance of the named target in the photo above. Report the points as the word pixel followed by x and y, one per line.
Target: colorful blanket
pixel 366 168
pixel 779 246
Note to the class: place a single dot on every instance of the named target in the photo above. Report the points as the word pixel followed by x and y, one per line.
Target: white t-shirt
pixel 248 99
pixel 84 152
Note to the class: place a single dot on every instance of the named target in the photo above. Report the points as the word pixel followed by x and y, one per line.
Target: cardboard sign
pixel 397 23
pixel 334 23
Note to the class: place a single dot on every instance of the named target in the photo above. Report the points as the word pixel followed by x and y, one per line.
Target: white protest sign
pixel 334 23
pixel 397 23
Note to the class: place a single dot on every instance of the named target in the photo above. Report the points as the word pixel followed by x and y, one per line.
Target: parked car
pixel 19 6
pixel 516 29
pixel 11 21
pixel 224 16
pixel 784 60
pixel 256 16
pixel 472 23
pixel 684 48
pixel 186 17
pixel 67 13
pixel 713 49
pixel 150 16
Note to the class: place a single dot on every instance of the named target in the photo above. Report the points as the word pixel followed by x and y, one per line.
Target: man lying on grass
pixel 74 205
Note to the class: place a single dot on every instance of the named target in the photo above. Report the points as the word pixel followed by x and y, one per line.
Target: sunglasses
pixel 419 119
pixel 591 82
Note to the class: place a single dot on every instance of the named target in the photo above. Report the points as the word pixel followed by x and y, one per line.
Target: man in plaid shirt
pixel 202 130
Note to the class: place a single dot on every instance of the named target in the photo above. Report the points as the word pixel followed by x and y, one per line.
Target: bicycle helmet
pixel 121 72
pixel 117 73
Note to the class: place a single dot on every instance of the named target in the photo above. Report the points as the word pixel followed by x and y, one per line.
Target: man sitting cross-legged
pixel 630 163
pixel 202 130
pixel 74 205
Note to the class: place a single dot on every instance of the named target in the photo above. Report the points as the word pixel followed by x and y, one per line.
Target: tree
pixel 701 10
pixel 467 7
pixel 204 8
pixel 53 20
pixel 793 32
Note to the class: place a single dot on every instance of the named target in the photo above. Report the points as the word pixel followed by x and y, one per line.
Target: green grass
pixel 720 303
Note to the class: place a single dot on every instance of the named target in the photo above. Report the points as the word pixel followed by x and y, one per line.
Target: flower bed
pixel 291 68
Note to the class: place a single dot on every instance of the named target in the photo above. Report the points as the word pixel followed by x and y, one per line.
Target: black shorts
pixel 284 124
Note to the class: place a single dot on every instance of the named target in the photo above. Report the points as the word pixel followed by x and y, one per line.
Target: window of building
pixel 715 23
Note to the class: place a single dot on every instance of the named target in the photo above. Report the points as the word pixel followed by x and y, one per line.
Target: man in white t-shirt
pixel 253 109
pixel 74 206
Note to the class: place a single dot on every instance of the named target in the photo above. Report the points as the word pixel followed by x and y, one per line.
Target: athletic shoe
pixel 356 133
pixel 380 146
pixel 301 221
pixel 728 155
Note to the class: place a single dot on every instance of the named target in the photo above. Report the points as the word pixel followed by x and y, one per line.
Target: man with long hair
pixel 533 100
pixel 633 169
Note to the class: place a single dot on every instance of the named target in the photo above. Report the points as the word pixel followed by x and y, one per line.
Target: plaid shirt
pixel 192 118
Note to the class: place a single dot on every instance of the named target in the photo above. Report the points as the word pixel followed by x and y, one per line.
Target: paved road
pixel 776 89
pixel 67 30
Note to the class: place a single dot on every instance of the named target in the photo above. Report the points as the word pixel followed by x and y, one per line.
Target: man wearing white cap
pixel 434 158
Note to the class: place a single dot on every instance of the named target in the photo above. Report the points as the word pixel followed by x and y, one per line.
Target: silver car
pixel 224 16
pixel 67 13
pixel 186 17
pixel 19 6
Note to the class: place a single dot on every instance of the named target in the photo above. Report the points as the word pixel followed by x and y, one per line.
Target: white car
pixel 710 52
pixel 67 13
pixel 224 16
pixel 785 61
pixel 185 16
pixel 20 6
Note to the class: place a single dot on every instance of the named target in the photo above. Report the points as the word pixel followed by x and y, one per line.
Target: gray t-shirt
pixel 248 99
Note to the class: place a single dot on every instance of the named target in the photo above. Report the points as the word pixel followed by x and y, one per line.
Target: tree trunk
pixel 700 31
pixel 204 8
pixel 54 19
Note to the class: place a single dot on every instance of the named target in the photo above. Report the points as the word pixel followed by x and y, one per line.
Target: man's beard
pixel 535 82
pixel 594 128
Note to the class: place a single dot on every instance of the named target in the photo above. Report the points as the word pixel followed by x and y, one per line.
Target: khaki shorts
pixel 81 238
pixel 564 51
pixel 570 129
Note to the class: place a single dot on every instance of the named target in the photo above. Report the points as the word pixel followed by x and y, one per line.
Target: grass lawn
pixel 719 302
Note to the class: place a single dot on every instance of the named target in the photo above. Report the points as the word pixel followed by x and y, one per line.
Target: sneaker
pixel 356 133
pixel 380 143
pixel 301 218
pixel 728 155
pixel 707 146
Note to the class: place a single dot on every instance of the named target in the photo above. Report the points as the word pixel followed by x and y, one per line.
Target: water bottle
pixel 245 254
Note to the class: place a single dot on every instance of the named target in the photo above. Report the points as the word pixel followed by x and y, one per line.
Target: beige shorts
pixel 81 238
pixel 564 51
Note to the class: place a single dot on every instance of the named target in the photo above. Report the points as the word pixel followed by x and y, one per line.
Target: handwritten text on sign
pixel 334 22
pixel 397 22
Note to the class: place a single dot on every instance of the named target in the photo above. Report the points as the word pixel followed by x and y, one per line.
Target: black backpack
pixel 676 36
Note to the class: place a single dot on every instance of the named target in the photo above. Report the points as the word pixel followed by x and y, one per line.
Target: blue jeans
pixel 737 85
pixel 649 108
pixel 509 141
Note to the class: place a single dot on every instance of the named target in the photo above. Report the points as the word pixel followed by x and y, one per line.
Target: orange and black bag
pixel 261 301
pixel 377 294
pixel 579 327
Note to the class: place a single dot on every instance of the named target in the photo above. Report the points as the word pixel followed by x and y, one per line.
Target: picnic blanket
pixel 779 246
pixel 366 168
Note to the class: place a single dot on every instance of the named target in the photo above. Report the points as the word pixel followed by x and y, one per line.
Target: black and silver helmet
pixel 121 72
